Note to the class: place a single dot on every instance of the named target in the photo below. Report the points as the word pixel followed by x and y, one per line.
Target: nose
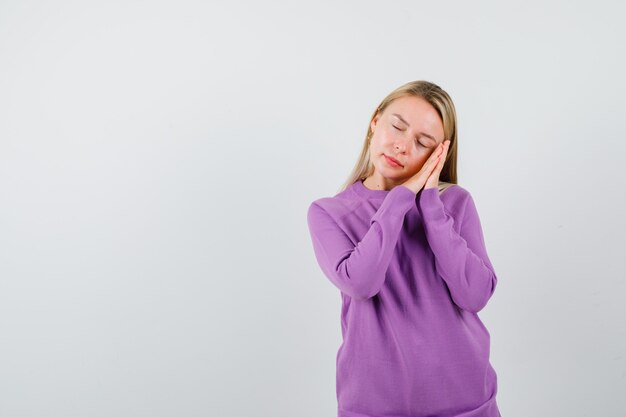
pixel 400 146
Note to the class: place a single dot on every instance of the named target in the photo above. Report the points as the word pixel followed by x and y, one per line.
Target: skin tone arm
pixel 428 176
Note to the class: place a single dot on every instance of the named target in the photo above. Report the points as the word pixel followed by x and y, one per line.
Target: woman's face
pixel 408 130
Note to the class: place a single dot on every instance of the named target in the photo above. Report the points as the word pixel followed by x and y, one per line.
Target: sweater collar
pixel 363 191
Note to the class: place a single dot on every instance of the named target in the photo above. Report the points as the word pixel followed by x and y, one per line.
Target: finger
pixel 444 152
pixel 444 156
pixel 439 164
pixel 436 153
pixel 431 167
pixel 433 162
pixel 433 177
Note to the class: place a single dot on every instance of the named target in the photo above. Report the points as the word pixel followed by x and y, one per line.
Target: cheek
pixel 418 161
pixel 424 153
pixel 377 145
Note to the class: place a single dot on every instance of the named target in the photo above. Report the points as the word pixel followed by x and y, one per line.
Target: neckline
pixel 363 191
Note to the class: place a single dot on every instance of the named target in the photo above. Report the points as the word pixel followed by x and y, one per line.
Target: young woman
pixel 403 243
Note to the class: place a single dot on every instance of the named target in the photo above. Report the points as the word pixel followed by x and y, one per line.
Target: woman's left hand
pixel 433 179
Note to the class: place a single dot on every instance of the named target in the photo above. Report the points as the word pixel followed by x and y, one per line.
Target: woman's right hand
pixel 417 181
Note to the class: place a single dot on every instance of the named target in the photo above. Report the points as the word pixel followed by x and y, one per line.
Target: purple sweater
pixel 413 272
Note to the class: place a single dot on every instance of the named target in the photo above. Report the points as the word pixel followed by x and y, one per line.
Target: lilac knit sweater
pixel 413 272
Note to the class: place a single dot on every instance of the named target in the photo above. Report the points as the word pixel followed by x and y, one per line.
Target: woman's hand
pixel 433 179
pixel 417 181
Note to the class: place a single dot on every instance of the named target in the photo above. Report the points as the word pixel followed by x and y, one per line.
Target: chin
pixel 394 176
pixel 393 172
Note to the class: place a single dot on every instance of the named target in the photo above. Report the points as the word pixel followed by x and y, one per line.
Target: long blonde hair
pixel 442 102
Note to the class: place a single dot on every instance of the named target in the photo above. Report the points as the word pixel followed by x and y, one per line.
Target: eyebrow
pixel 406 123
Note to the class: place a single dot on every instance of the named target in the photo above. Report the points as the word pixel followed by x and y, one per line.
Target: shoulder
pixel 454 191
pixel 454 197
pixel 337 206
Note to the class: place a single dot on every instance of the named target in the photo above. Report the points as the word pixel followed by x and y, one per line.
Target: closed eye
pixel 417 142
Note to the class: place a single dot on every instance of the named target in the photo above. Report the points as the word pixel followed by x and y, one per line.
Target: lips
pixel 393 160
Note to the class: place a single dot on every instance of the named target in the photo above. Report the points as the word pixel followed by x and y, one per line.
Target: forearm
pixel 359 270
pixel 460 257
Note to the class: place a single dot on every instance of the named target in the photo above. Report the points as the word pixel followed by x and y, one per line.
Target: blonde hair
pixel 442 102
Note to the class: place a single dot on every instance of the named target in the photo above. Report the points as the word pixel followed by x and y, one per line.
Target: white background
pixel 157 160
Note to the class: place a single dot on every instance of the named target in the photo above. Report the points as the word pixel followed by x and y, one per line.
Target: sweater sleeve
pixel 358 270
pixel 460 257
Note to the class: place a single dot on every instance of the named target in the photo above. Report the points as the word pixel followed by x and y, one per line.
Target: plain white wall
pixel 157 160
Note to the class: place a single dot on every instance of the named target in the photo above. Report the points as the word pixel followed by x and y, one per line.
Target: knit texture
pixel 413 273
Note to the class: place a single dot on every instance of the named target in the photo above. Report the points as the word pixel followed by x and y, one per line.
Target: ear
pixel 374 121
